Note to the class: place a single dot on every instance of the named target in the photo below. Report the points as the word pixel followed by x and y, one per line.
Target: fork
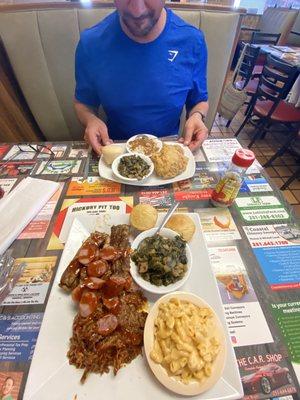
pixel 167 217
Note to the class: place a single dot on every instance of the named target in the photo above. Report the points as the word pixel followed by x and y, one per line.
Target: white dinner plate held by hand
pixel 106 172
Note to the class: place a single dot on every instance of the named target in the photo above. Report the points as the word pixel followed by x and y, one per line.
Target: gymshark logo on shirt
pixel 173 54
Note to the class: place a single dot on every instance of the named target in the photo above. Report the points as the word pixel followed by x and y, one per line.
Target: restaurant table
pixel 255 244
pixel 290 58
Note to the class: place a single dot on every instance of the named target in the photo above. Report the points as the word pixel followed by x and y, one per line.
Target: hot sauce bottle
pixel 229 185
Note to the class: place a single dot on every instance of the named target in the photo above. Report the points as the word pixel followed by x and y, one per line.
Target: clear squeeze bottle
pixel 229 185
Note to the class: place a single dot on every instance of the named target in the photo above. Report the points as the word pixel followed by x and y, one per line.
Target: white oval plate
pixel 193 388
pixel 147 285
pixel 106 172
pixel 159 142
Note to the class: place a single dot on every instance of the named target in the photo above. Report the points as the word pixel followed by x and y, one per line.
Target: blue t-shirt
pixel 141 86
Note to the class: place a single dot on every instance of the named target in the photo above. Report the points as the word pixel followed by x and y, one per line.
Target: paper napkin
pixel 21 205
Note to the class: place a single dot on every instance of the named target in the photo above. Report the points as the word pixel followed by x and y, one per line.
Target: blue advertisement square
pixel 18 335
pixel 280 265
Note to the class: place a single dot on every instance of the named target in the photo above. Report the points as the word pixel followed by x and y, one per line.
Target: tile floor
pixel 281 169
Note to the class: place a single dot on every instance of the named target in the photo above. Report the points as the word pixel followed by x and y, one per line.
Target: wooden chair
pixel 264 38
pixel 296 175
pixel 247 65
pixel 290 147
pixel 294 36
pixel 268 105
pixel 270 39
pixel 276 20
pixel 246 69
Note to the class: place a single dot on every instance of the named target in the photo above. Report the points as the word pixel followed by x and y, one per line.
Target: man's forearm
pixel 84 113
pixel 201 107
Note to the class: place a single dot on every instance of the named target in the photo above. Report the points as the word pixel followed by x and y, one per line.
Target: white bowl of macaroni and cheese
pixel 184 343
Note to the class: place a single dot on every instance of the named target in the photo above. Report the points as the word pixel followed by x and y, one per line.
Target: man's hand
pixel 195 132
pixel 96 134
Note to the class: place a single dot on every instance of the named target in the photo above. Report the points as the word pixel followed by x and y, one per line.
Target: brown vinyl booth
pixel 276 20
pixel 294 36
pixel 40 41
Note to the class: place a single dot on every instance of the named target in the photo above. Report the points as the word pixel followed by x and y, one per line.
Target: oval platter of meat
pixel 90 344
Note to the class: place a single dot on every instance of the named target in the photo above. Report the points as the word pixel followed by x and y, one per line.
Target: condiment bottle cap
pixel 243 158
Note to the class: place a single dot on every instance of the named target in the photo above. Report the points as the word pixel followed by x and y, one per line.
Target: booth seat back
pixel 278 20
pixel 294 36
pixel 41 44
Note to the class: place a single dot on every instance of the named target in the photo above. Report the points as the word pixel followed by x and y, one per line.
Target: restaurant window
pixel 258 6
pixel 283 3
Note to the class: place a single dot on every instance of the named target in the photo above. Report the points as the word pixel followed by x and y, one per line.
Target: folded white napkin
pixel 21 205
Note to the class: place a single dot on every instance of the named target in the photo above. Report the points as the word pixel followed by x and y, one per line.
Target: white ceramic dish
pixel 106 172
pixel 116 163
pixel 136 379
pixel 157 141
pixel 161 374
pixel 149 287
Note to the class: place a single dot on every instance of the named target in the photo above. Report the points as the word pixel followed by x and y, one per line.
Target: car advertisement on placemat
pixel 265 376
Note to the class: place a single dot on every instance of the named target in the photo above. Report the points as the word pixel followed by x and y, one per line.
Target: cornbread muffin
pixel 183 225
pixel 143 217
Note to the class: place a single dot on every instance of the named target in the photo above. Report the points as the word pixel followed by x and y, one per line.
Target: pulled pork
pixel 108 329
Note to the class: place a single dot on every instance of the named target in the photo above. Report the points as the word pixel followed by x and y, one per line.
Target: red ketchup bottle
pixel 229 185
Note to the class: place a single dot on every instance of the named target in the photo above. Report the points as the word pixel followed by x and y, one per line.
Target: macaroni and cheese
pixel 185 340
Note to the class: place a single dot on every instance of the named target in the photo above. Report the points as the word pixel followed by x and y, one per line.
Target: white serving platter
pixel 52 378
pixel 106 172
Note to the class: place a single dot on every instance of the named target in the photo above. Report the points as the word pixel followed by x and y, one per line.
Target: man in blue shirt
pixel 142 63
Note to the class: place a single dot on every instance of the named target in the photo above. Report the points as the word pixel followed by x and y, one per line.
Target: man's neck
pixel 155 32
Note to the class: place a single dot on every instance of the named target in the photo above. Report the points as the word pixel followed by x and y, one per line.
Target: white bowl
pixel 193 388
pixel 116 162
pixel 158 142
pixel 147 285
